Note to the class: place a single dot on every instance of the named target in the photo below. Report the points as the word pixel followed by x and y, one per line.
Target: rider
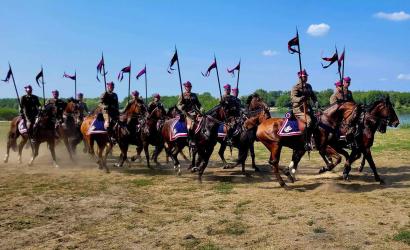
pixel 231 102
pixel 337 95
pixel 135 98
pixel 156 103
pixel 301 97
pixel 82 106
pixel 30 105
pixel 60 106
pixel 109 102
pixel 235 93
pixel 348 96
pixel 190 105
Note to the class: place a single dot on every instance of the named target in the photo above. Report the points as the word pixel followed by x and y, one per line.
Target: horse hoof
pixel 322 170
pixel 194 169
pixel 381 181
pixel 56 166
pixel 346 177
pixel 256 169
pixel 6 159
pixel 117 165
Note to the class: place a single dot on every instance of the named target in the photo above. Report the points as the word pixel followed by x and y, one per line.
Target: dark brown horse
pixel 69 130
pixel 329 121
pixel 102 139
pixel 376 117
pixel 44 131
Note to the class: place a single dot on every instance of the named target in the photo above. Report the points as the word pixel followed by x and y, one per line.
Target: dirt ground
pixel 79 206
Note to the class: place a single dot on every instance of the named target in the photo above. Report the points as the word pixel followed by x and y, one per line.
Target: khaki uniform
pixel 139 102
pixel 300 94
pixel 82 109
pixel 189 103
pixel 336 97
pixel 153 105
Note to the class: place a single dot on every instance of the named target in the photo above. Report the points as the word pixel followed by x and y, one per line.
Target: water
pixel 403 117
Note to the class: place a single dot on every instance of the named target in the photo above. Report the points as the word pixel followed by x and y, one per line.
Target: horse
pixel 376 117
pixel 14 133
pixel 70 128
pixel 102 138
pixel 328 122
pixel 44 131
pixel 131 129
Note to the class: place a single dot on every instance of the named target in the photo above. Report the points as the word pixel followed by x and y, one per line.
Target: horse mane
pixel 374 105
pixel 250 97
pixel 212 110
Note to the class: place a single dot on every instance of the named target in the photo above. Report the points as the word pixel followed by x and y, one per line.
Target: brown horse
pixel 376 117
pixel 44 131
pixel 102 139
pixel 328 122
pixel 12 137
pixel 69 130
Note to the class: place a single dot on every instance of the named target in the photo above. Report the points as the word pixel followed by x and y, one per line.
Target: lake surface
pixel 403 117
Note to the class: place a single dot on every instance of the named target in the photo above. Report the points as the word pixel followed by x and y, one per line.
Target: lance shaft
pixel 300 77
pixel 129 84
pixel 179 74
pixel 237 79
pixel 146 88
pixel 42 83
pixel 217 76
pixel 75 85
pixel 340 75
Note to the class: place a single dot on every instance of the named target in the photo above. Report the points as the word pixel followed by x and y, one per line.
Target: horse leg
pixel 146 144
pixel 108 149
pixel 51 145
pixel 275 150
pixel 362 164
pixel 158 150
pixel 252 152
pixel 24 139
pixel 124 154
pixel 204 159
pixel 68 147
pixel 290 171
pixel 34 153
pixel 369 158
pixel 138 155
pixel 11 142
pixel 221 152
pixel 183 156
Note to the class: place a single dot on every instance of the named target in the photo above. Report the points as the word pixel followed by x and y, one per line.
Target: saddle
pixel 291 126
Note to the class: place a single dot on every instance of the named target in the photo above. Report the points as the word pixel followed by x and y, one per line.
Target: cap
pixel 28 87
pixel 338 84
pixel 156 95
pixel 188 84
pixel 347 79
pixel 227 86
pixel 135 93
pixel 80 94
pixel 55 92
pixel 302 73
pixel 110 84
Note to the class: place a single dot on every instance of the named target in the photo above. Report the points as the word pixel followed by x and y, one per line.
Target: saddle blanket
pixel 290 127
pixel 97 127
pixel 178 129
pixel 22 127
pixel 221 131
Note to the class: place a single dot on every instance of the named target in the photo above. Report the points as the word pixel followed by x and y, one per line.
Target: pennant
pixel 40 75
pixel 294 42
pixel 208 71
pixel 9 73
pixel 74 77
pixel 232 71
pixel 173 60
pixel 341 59
pixel 332 59
pixel 100 67
pixel 124 70
pixel 143 71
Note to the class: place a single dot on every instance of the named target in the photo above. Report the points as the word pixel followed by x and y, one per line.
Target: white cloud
pixel 318 29
pixel 403 77
pixel 394 16
pixel 270 52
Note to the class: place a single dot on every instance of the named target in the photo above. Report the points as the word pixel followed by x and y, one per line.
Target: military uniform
pixel 60 107
pixel 30 108
pixel 109 101
pixel 153 105
pixel 82 109
pixel 302 93
pixel 336 97
pixel 189 103
pixel 233 104
pixel 348 96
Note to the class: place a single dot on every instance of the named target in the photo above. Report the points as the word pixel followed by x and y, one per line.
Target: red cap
pixel 156 95
pixel 188 84
pixel 135 93
pixel 302 73
pixel 110 84
pixel 28 87
pixel 338 84
pixel 55 92
pixel 235 90
pixel 347 79
pixel 227 86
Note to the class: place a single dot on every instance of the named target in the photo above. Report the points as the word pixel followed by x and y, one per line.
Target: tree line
pixel 280 99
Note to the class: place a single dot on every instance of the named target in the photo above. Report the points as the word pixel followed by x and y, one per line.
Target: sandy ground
pixel 79 206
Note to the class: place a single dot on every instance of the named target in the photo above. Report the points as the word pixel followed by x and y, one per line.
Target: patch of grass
pixel 403 236
pixel 318 230
pixel 240 207
pixel 236 228
pixel 310 222
pixel 209 246
pixel 142 182
pixel 223 187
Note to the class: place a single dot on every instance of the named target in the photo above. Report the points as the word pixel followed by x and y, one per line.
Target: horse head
pixel 173 112
pixel 384 113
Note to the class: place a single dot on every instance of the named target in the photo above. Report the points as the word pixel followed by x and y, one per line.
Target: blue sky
pixel 68 35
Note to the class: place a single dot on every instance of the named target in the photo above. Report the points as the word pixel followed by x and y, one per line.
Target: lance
pixel 146 88
pixel 343 64
pixel 340 74
pixel 217 76
pixel 42 83
pixel 300 70
pixel 179 72
pixel 103 68
pixel 21 108
pixel 237 79
pixel 129 84
pixel 75 84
